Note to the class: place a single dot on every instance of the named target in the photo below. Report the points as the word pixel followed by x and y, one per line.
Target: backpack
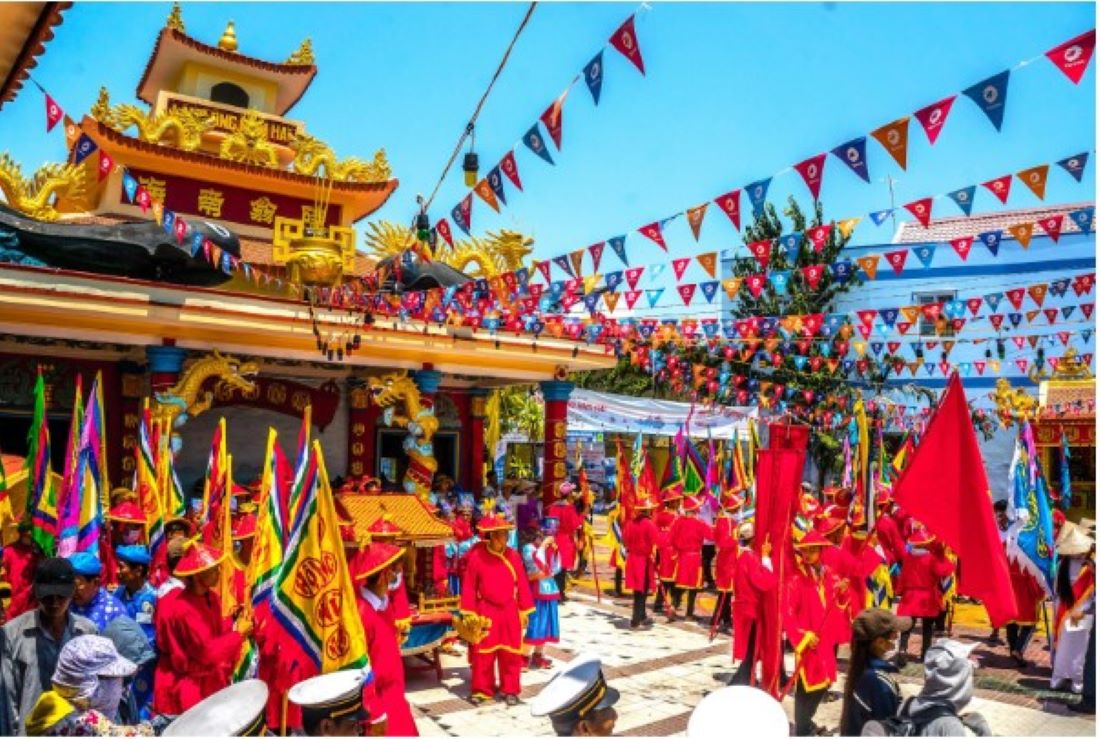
pixel 902 724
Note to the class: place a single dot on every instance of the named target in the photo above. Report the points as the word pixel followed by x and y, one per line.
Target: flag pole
pixel 282 720
pixel 592 566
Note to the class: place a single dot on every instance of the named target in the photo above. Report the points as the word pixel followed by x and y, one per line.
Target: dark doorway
pixel 392 460
pixel 13 437
pixel 230 94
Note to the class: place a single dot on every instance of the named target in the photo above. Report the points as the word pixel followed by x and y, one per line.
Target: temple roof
pixel 25 28
pixel 174 48
pixel 1064 396
pixel 946 229
pixel 407 512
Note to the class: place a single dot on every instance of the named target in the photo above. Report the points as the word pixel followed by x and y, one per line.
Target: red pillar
pixel 555 394
pixel 361 432
pixel 477 439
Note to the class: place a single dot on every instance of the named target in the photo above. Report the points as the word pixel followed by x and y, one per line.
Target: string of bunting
pixel 491 188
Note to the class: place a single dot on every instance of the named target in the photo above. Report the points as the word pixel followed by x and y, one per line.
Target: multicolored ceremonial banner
pixel 41 496
pixel 1030 542
pixel 68 504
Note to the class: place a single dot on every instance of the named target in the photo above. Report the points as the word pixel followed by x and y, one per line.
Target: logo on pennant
pixel 922 210
pixel 933 117
pixel 496 182
pixel 1053 226
pixel 625 41
pixel 854 154
pixel 990 95
pixel 730 203
pixel 460 214
pixel 963 198
pixel 925 253
pixel 869 264
pixel 1074 55
pixel 653 232
pixel 1035 179
pixel 443 228
pixel 551 118
pixel 818 235
pixel 84 148
pixel 710 289
pixel 54 113
pixel 1022 233
pixel 695 218
pixel 812 170
pixel 1075 164
pixel 756 284
pixel 1082 218
pixel 618 245
pixel 879 216
pixel 129 185
pixel 962 246
pixel 508 167
pixel 485 191
pixel 536 143
pixel 593 76
pixel 761 250
pixel 758 194
pixel 106 165
pixel 894 137
pixel 679 266
pixel 1000 187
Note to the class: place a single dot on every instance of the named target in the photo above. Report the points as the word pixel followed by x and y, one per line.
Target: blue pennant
pixel 758 194
pixel 536 143
pixel 842 271
pixel 130 185
pixel 593 76
pixel 84 148
pixel 889 315
pixel 964 198
pixel 1015 318
pixel 618 245
pixel 791 243
pixel 876 347
pixel 1075 164
pixel 879 216
pixel 990 95
pixel 992 241
pixel 652 296
pixel 993 300
pixel 169 221
pixel 854 154
pixel 196 243
pixel 709 290
pixel 1083 218
pixel 612 280
pixel 497 183
pixel 924 253
pixel 779 280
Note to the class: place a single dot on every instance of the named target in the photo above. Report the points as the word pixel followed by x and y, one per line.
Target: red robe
pixel 198 650
pixel 19 563
pixel 725 560
pixel 889 535
pixel 868 560
pixel 666 552
pixel 1028 594
pixel 388 694
pixel 919 583
pixel 439 569
pixel 495 586
pixel 640 539
pixel 687 536
pixel 566 537
pixel 846 568
pixel 751 580
pixel 811 597
pixel 1083 586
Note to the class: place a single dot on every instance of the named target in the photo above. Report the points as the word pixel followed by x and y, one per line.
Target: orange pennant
pixel 869 264
pixel 612 300
pixel 1022 233
pixel 1035 179
pixel 1038 292
pixel 695 220
pixel 576 258
pixel 894 137
pixel 1031 316
pixel 731 286
pixel 485 191
pixel 708 261
pixel 911 312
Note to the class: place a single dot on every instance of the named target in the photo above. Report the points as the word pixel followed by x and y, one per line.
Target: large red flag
pixel 944 486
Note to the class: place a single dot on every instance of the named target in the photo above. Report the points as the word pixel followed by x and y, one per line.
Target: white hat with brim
pixel 238 710
pixel 752 711
pixel 336 695
pixel 1073 541
pixel 575 692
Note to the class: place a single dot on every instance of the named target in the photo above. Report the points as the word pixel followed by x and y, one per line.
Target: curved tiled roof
pixel 30 46
pixel 417 524
pixel 947 229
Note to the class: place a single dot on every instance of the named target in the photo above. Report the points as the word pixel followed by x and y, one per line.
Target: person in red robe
pixel 640 541
pixel 385 531
pixel 19 560
pixel 569 523
pixel 197 647
pixel 919 584
pixel 495 587
pixel 846 568
pixel 687 536
pixel 159 571
pixel 725 560
pixel 753 577
pixel 387 704
pixel 666 553
pixel 889 533
pixel 865 550
pixel 812 593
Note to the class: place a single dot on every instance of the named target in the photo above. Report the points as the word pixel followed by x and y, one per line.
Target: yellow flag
pixel 267 554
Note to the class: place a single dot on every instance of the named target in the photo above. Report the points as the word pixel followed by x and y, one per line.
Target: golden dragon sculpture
pixel 1013 404
pixel 186 399
pixel 398 389
pixel 37 196
pixel 249 144
pixel 312 155
pixel 497 252
pixel 180 127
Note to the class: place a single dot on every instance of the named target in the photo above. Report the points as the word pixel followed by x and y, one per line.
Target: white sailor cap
pixel 238 710
pixel 573 693
pixel 751 710
pixel 336 695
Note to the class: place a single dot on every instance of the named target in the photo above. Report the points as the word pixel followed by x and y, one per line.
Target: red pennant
pixel 632 297
pixel 54 113
pixel 679 266
pixel 180 229
pixel 934 116
pixel 756 284
pixel 508 167
pixel 903 327
pixel 944 368
pixel 1051 314
pixel 730 203
pixel 686 292
pixel 1053 226
pixel 812 170
pixel 996 319
pixel 653 231
pixel 980 366
pixel 811 323
pixel 762 250
pixel 975 305
pixel 1086 309
pixel 544 269
pixel 1016 297
pixel 1000 187
pixel 443 228
pixel 867 317
pixel 813 274
pixel 962 246
pixel 957 325
pixel 106 164
pixel 143 199
pixel 893 346
pixel 932 311
pixel 596 250
pixel 897 259
pixel 625 41
pixel 1022 364
pixel 921 209
pixel 633 275
pixel 819 234
pixel 465 207
pixel 1063 336
pixel 695 218
pixel 1073 56
pixel 551 118
pixel 816 362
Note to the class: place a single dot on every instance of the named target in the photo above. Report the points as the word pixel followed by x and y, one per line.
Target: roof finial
pixel 175 19
pixel 228 41
pixel 304 54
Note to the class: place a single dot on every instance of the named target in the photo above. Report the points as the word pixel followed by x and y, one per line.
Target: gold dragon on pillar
pixel 398 390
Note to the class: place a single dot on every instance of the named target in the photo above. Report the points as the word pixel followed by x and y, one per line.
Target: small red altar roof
pixel 418 526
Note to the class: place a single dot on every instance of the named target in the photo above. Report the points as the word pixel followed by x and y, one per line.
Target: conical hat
pixel 1073 541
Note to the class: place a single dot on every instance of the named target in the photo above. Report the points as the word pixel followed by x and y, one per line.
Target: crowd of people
pixel 132 644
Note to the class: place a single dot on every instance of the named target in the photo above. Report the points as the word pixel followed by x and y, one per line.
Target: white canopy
pixel 594 411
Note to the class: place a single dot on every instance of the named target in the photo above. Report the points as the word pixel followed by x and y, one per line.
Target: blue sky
pixel 733 93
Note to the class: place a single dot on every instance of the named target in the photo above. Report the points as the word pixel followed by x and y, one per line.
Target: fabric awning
pixel 593 411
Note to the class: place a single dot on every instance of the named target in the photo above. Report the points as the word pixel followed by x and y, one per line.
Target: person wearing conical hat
pixel 753 578
pixel 687 535
pixel 569 523
pixel 666 551
pixel 640 540
pixel 198 647
pixel 495 587
pixel 872 586
pixel 725 560
pixel 385 531
pixel 812 591
pixel 831 524
pixel 924 564
pixel 385 700
pixel 1075 586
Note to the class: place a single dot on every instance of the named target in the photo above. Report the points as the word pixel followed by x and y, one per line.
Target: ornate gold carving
pixel 262 210
pixel 1014 404
pixel 558 430
pixel 358 429
pixel 175 19
pixel 313 258
pixel 210 202
pixel 1067 367
pixel 228 41
pixel 299 400
pixel 186 399
pixel 101 111
pixel 304 55
pixel 356 469
pixel 311 156
pixel 249 144
pixel 396 389
pixel 559 470
pixel 181 128
pixel 477 406
pixel 497 252
pixel 37 196
pixel 359 398
pixel 357 448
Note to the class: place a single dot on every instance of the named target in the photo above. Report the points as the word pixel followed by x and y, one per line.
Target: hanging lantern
pixel 423 226
pixel 469 168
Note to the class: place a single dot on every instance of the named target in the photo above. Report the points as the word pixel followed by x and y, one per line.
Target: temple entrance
pixel 392 460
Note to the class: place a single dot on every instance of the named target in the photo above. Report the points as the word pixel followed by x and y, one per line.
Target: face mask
pixel 395 581
pixel 890 653
pixel 106 697
pixel 131 537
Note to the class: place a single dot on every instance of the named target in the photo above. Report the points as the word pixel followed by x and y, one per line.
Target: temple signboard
pixel 228 120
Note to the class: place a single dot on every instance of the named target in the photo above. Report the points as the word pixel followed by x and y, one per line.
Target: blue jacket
pixel 876 697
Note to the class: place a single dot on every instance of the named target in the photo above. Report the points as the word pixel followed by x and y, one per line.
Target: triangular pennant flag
pixel 1082 218
pixel 758 194
pixel 611 300
pixel 1086 309
pixel 1075 164
pixel 990 95
pixel 779 280
pixel 625 41
pixel 618 245
pixel 992 241
pixel 934 116
pixel 889 316
pixel 596 250
pixel 576 258
pixel 54 113
pixel 551 118
pixel 460 214
pixel 1000 187
pixel 974 304
pixel 612 280
pixel 842 271
pixel 1036 179
pixel 996 319
pixel 879 216
pixel 496 182
pixel 1016 296
pixel 812 170
pixel 1052 225
pixel 1038 293
pixel 847 226
pixel 544 269
pixel 508 167
pixel 1022 233
pixel 731 286
pixel 564 265
pixel 1074 55
pixel 869 264
pixel 653 232
pixel 656 270
pixel 854 154
pixel 632 298
pixel 695 218
pixel 84 148
pixel 993 300
pixel 536 143
pixel 924 253
pixel 962 246
pixel 1031 315
pixel 894 137
pixel 730 203
pixel 791 245
pixel 129 185
pixel 679 266
pixel 593 76
pixel 963 198
pixel 652 296
pixel 709 262
pixel 922 209
pixel 105 166
pixel 818 235
pixel 756 284
pixel 632 276
pixel 761 250
pixel 1051 314
pixel 709 290
pixel 485 191
pixel 812 274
